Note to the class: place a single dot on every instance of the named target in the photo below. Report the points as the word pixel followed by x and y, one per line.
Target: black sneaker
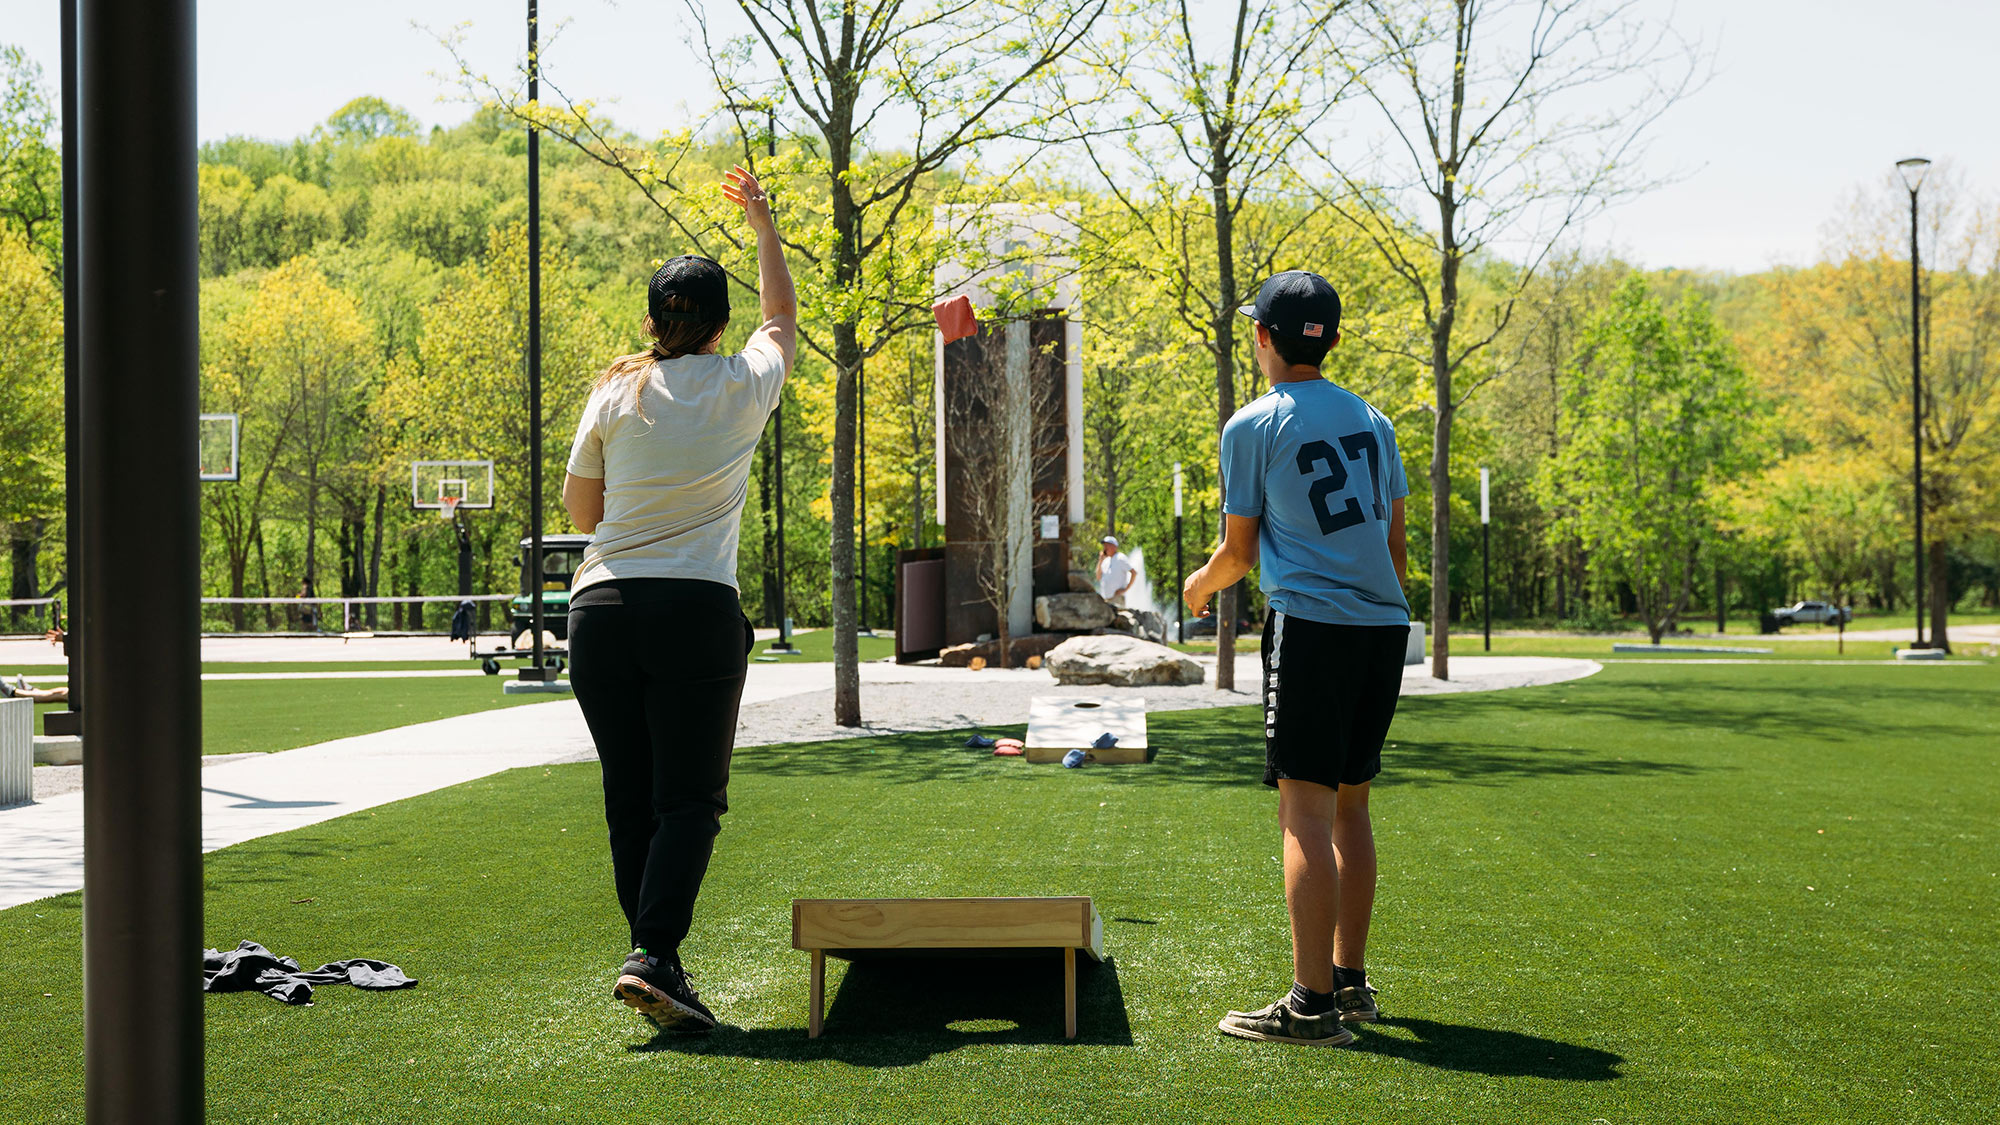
pixel 1279 1024
pixel 1356 1005
pixel 662 992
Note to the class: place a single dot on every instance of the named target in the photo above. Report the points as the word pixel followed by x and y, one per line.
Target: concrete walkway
pixel 315 650
pixel 256 795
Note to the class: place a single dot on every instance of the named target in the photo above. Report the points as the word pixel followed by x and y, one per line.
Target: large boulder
pixel 1080 583
pixel 1073 612
pixel 1141 623
pixel 1121 662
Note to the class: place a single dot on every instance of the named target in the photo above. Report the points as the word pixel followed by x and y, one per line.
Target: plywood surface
pixel 1071 722
pixel 948 923
pixel 1120 755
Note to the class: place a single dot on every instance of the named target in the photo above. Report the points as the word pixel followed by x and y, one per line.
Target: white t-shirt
pixel 676 476
pixel 1117 569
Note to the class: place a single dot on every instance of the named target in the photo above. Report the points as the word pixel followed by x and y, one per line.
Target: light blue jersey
pixel 1320 468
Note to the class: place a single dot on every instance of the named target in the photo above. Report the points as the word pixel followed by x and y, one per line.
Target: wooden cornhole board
pixel 1058 724
pixel 851 927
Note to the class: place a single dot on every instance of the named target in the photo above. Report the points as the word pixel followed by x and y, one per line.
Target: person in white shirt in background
pixel 1115 573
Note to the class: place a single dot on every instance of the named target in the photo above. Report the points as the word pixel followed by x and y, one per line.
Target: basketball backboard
pixel 469 482
pixel 219 444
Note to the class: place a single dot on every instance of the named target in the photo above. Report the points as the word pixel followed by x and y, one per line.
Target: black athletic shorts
pixel 1330 693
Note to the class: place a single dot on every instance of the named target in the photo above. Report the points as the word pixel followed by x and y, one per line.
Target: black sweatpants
pixel 658 666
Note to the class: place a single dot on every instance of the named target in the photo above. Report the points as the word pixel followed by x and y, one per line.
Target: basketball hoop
pixel 448 507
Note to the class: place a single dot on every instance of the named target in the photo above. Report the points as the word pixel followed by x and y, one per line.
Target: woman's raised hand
pixel 740 186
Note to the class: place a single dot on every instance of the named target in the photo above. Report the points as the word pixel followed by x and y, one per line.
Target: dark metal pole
pixel 861 438
pixel 70 720
pixel 1917 415
pixel 784 644
pixel 1721 610
pixel 464 553
pixel 1486 579
pixel 137 280
pixel 537 672
pixel 1180 572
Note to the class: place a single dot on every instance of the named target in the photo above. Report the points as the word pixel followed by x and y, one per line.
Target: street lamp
pixel 538 674
pixel 1913 170
pixel 1486 556
pixel 783 645
pixel 1180 571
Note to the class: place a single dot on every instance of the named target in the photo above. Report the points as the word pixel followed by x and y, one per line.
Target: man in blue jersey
pixel 1313 489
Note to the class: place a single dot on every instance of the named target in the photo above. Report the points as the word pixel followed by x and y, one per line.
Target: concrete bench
pixel 847 927
pixel 17 751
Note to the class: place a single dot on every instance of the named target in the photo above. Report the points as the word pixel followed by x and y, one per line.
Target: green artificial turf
pixel 1663 893
pixel 816 647
pixel 1600 647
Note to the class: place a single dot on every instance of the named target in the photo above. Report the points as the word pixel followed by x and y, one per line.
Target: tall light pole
pixel 783 645
pixel 1486 556
pixel 536 673
pixel 861 477
pixel 136 278
pixel 1180 570
pixel 1913 170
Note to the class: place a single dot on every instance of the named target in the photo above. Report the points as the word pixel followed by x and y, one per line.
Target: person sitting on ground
pixel 658 475
pixel 1115 573
pixel 22 689
pixel 1313 488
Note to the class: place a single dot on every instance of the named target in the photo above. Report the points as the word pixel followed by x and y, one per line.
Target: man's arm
pixel 1131 576
pixel 1227 566
pixel 1399 547
pixel 583 499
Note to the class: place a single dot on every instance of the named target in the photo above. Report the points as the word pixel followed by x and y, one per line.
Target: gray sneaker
pixel 1356 1005
pixel 1279 1024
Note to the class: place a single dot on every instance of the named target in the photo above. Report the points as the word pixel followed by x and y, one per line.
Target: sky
pixel 1810 99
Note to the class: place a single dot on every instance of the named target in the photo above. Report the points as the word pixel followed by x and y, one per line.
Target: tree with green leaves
pixel 462 394
pixel 30 166
pixel 295 362
pixel 1658 417
pixel 1222 109
pixel 285 218
pixel 1831 514
pixel 885 99
pixel 1507 123
pixel 369 118
pixel 31 407
pixel 1843 326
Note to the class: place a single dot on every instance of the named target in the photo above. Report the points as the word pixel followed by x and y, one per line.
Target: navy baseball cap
pixel 1297 303
pixel 694 279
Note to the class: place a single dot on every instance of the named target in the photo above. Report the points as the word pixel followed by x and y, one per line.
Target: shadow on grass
pixel 1222 747
pixel 1714 698
pixel 904 1011
pixel 1474 763
pixel 1497 1054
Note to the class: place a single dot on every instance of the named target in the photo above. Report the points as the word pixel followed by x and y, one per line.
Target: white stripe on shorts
pixel 1271 674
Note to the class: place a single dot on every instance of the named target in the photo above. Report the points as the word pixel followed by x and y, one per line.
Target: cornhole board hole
pixel 852 928
pixel 1058 724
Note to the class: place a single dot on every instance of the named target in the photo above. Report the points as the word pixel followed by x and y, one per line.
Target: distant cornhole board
pixel 857 928
pixel 1058 724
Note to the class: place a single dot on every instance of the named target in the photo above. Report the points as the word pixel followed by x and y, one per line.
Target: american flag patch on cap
pixel 1315 329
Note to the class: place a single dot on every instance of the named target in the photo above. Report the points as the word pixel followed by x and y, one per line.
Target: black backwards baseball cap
pixel 1297 303
pixel 698 281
